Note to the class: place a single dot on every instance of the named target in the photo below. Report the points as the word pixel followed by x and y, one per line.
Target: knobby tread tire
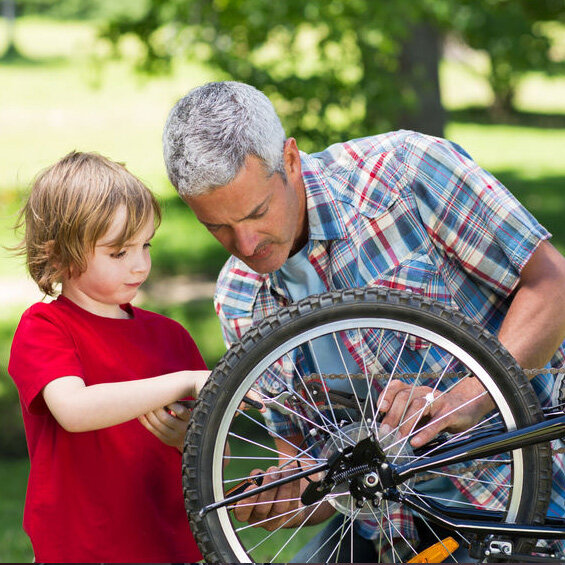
pixel 353 303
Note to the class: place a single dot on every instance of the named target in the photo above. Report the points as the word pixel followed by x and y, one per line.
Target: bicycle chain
pixel 459 374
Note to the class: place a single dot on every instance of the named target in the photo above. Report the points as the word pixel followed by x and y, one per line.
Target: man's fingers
pixel 386 398
pixel 246 509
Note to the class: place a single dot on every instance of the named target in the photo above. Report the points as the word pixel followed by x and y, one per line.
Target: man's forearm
pixel 534 326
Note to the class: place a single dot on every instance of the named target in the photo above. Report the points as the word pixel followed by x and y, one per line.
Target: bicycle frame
pixel 465 450
pixel 479 521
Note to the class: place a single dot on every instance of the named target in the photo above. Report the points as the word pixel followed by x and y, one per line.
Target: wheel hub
pixel 360 481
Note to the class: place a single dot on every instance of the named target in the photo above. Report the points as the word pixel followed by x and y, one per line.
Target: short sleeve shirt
pixel 400 210
pixel 113 494
pixel 405 211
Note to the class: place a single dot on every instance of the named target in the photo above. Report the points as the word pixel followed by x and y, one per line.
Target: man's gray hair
pixel 212 130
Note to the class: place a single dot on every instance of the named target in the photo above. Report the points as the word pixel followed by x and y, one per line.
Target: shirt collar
pixel 326 219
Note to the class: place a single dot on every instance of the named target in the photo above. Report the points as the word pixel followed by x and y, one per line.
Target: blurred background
pixel 99 75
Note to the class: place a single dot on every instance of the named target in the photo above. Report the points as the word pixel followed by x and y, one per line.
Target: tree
pixel 338 69
pixel 332 67
pixel 509 31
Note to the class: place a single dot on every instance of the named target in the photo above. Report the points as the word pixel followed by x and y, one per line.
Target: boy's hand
pixel 168 424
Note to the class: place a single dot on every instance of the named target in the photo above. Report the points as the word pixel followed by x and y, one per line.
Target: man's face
pixel 260 219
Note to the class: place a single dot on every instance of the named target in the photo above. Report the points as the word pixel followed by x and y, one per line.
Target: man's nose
pixel 245 240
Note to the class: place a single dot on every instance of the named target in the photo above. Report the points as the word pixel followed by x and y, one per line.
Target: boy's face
pixel 112 275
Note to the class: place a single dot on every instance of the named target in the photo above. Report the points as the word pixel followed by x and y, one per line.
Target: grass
pixel 14 543
pixel 68 93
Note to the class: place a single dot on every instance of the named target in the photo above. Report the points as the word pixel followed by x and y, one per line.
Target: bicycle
pixel 498 472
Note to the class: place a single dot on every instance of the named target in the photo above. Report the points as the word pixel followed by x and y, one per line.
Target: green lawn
pixel 14 543
pixel 67 94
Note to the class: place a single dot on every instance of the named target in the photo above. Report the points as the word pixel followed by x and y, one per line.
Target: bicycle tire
pixel 433 326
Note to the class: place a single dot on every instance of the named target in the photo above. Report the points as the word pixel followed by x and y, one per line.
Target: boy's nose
pixel 141 264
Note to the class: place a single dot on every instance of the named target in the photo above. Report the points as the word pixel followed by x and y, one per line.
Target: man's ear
pixel 292 163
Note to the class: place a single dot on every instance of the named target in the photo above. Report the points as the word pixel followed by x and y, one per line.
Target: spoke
pixel 238 505
pixel 457 503
pixel 312 403
pixel 325 392
pixel 390 379
pixel 369 398
pixel 294 533
pixel 456 437
pixel 434 534
pixel 446 415
pixel 312 406
pixel 249 458
pixel 382 529
pixel 351 383
pixel 417 419
pixel 267 474
pixel 414 385
pixel 400 534
pixel 342 535
pixel 264 521
pixel 261 542
pixel 343 531
pixel 351 531
pixel 278 436
pixel 470 479
pixel 247 440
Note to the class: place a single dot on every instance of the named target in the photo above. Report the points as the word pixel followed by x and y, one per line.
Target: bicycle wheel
pixel 319 366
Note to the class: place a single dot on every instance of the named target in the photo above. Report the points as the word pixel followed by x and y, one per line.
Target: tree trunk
pixel 419 72
pixel 9 14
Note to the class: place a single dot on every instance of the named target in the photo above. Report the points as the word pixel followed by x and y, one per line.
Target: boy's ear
pixel 54 258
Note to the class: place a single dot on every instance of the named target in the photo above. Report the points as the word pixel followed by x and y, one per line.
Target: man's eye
pixel 259 214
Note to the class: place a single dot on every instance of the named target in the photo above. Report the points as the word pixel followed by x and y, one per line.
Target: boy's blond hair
pixel 71 206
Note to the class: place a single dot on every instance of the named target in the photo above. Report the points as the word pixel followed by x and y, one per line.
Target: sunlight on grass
pixel 533 153
pixel 49 109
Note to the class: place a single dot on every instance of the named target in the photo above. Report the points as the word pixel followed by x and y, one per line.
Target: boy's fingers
pixel 179 410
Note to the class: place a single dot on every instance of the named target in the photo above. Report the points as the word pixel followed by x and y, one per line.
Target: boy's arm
pixel 81 408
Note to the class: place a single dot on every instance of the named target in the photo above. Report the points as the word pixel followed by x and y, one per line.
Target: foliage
pixel 320 62
pixel 334 67
pixel 510 32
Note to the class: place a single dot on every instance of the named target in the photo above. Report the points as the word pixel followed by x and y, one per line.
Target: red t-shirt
pixel 107 495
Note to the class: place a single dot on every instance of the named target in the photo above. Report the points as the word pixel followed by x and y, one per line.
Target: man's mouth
pixel 262 251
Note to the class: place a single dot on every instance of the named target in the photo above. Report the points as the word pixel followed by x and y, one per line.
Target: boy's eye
pixel 118 254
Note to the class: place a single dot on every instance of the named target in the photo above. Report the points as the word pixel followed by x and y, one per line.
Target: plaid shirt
pixel 407 211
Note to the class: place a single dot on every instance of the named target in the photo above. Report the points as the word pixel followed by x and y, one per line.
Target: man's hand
pixel 276 507
pixel 168 424
pixel 419 408
pixel 280 506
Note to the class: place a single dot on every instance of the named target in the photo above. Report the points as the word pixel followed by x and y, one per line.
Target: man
pixel 400 210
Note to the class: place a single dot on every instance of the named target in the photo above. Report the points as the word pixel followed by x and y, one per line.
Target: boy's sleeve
pixel 195 359
pixel 469 215
pixel 42 351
